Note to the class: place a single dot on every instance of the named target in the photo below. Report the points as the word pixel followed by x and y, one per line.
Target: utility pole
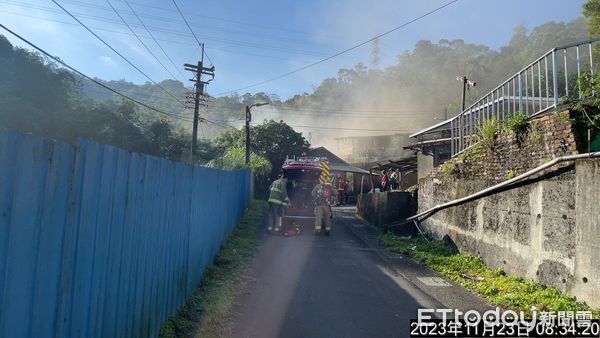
pixel 466 84
pixel 248 119
pixel 198 70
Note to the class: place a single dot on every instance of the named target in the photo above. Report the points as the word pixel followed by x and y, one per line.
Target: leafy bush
pixel 235 158
pixel 517 124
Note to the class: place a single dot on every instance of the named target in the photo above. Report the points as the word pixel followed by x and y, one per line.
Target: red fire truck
pixel 303 174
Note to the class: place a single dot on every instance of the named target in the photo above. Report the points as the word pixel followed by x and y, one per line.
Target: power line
pixel 216 123
pixel 352 129
pixel 227 20
pixel 155 41
pixel 114 50
pixel 139 39
pixel 332 111
pixel 208 57
pixel 192 31
pixel 342 115
pixel 129 34
pixel 202 132
pixel 348 116
pixel 320 127
pixel 237 43
pixel 212 27
pixel 342 52
pixel 315 127
pixel 344 110
pixel 350 112
pixel 58 60
pixel 190 28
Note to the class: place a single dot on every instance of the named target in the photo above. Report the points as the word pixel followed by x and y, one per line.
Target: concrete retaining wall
pixel 547 228
pixel 382 208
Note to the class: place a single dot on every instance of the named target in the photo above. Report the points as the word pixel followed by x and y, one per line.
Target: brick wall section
pixel 549 136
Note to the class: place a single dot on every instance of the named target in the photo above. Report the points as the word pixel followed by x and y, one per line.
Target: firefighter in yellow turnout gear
pixel 278 198
pixel 323 212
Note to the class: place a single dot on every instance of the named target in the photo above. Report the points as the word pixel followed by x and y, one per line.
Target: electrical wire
pixel 324 128
pixel 58 60
pixel 235 43
pixel 353 129
pixel 151 29
pixel 155 40
pixel 318 111
pixel 349 112
pixel 190 28
pixel 121 55
pixel 342 52
pixel 347 116
pixel 216 123
pixel 208 57
pixel 208 26
pixel 202 132
pixel 227 20
pixel 139 39
pixel 194 34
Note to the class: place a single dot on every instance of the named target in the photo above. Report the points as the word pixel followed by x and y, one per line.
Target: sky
pixel 255 40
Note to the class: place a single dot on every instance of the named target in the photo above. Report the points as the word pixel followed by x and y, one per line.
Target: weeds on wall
pixel 447 169
pixel 510 174
pixel 487 132
pixel 586 116
pixel 518 125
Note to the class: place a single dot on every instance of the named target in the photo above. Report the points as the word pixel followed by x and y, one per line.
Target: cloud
pixel 107 60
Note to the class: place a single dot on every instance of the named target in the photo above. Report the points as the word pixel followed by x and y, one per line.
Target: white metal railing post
pixel 578 73
pixel 566 72
pixel 520 94
pixel 460 132
pixel 554 78
pixel 452 137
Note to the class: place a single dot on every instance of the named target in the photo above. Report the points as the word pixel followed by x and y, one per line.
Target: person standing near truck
pixel 278 198
pixel 323 214
pixel 385 183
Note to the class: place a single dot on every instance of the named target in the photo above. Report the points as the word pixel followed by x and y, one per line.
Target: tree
pixel 235 158
pixel 271 140
pixel 275 141
pixel 591 12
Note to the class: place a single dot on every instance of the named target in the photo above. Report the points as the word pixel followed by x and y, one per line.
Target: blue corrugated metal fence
pixel 97 241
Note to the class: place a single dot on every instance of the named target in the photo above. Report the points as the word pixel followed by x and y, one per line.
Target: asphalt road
pixel 343 285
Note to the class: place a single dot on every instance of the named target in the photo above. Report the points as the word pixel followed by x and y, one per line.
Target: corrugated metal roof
pixel 346 168
pixel 435 126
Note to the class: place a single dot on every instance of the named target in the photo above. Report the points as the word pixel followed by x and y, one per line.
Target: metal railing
pixel 533 90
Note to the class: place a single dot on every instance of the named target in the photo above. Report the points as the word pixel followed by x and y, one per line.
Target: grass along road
pixel 208 307
pixel 508 292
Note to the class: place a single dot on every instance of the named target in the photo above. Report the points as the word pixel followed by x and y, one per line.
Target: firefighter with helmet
pixel 323 214
pixel 278 198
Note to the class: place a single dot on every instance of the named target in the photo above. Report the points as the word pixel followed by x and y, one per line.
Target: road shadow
pixel 318 286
